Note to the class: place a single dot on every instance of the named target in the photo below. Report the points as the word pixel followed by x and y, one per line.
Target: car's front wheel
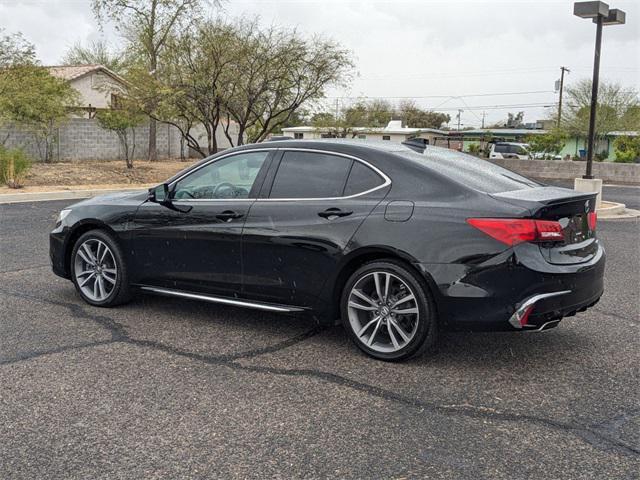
pixel 98 270
pixel 388 311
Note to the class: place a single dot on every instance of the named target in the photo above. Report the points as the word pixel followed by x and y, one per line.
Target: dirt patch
pixel 101 173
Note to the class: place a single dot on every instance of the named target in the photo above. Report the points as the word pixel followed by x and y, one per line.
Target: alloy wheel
pixel 95 269
pixel 383 312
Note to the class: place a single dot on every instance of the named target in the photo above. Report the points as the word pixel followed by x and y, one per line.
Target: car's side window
pixel 310 175
pixel 361 178
pixel 501 148
pixel 227 178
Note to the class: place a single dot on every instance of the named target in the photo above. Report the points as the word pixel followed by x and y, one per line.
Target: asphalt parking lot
pixel 165 388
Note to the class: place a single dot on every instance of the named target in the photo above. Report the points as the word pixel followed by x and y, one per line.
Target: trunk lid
pixel 571 209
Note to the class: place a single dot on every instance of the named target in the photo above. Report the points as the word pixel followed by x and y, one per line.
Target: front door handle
pixel 333 212
pixel 228 215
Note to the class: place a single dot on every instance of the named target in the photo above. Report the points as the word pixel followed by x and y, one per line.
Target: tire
pixel 104 283
pixel 410 310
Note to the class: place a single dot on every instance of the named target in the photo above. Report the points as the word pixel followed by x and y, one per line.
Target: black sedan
pixel 396 244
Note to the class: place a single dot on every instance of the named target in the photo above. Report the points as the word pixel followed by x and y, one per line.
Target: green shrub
pixel 474 149
pixel 14 166
pixel 627 149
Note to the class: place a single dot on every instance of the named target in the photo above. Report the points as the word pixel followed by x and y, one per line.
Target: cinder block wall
pixel 83 139
pixel 561 169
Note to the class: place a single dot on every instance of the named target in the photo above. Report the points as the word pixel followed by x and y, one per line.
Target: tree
pixel 15 50
pixel 274 72
pixel 239 75
pixel 37 102
pixel 99 53
pixel 123 123
pixel 617 108
pixel 148 25
pixel 415 117
pixel 548 144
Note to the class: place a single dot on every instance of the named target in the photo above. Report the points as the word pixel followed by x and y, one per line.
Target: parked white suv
pixel 510 150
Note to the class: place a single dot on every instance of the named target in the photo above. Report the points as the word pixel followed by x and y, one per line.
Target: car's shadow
pixel 471 349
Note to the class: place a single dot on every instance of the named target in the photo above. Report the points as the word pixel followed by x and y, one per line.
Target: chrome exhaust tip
pixel 523 310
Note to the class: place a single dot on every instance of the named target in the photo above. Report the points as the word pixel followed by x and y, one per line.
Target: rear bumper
pixel 514 291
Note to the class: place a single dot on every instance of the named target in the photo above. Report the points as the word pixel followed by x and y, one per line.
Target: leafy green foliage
pixel 247 79
pixel 627 149
pixel 123 123
pixel 617 108
pixel 474 149
pixel 36 101
pixel 14 166
pixel 15 50
pixel 377 114
pixel 548 144
pixel 98 53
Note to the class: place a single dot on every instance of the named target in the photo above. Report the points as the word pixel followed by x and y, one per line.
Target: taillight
pixel 592 219
pixel 512 231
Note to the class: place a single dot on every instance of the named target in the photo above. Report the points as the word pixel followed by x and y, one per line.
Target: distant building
pixel 97 86
pixel 393 132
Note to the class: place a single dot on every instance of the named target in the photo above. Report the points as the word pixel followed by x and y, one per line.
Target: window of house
pixel 310 175
pixel 116 103
pixel 361 135
pixel 386 137
pixel 298 136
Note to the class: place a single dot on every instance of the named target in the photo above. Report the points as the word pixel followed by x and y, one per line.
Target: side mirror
pixel 159 194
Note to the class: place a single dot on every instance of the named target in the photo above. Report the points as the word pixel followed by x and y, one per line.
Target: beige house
pixel 393 132
pixel 98 86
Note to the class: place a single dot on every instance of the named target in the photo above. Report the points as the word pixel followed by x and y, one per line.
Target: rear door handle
pixel 333 212
pixel 228 215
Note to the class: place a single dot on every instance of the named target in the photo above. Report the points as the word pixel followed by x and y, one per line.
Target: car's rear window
pixel 471 171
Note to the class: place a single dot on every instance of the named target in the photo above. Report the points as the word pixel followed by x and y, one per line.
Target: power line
pixel 407 97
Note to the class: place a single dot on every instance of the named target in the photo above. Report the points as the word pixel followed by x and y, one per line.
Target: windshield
pixel 473 172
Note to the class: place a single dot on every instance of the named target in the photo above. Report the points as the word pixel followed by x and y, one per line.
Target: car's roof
pixel 334 143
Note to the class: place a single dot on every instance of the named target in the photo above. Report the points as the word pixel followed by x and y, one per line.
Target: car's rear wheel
pixel 388 311
pixel 98 270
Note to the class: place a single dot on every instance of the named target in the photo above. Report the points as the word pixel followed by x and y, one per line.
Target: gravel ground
pixel 164 388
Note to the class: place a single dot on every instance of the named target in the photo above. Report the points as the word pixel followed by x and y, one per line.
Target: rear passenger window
pixel 501 148
pixel 310 175
pixel 361 179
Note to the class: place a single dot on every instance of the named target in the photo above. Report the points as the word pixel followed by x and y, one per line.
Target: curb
pixel 625 214
pixel 616 211
pixel 62 194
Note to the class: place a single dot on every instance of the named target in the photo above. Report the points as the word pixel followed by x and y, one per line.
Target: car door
pixel 294 237
pixel 193 244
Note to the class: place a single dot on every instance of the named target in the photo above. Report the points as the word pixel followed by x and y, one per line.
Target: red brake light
pixel 512 231
pixel 592 219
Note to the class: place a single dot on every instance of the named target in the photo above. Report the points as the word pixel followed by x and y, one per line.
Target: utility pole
pixel 459 112
pixel 562 70
pixel 484 114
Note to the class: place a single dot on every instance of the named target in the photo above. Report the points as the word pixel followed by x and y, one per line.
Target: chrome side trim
pixel 386 183
pixel 226 301
pixel 514 320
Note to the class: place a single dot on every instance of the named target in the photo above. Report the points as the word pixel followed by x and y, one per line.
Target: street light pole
pixel 594 98
pixel 601 15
